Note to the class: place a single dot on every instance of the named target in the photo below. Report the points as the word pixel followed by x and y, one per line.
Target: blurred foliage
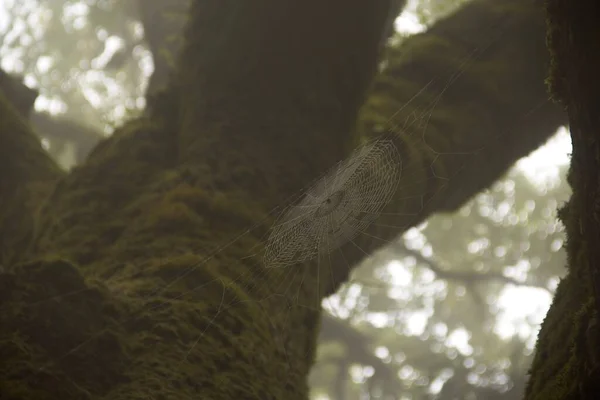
pixel 428 11
pixel 91 65
pixel 447 278
pixel 87 59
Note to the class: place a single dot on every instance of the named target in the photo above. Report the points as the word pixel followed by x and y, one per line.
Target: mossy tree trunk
pixel 264 100
pixel 261 85
pixel 567 360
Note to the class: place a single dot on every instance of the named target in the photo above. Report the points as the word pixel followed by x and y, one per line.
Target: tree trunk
pixel 567 360
pixel 264 100
pixel 261 85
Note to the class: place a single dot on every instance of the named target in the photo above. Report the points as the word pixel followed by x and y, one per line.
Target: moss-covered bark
pixel 261 86
pixel 567 361
pixel 455 145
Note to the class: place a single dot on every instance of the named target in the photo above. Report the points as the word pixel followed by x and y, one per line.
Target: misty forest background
pixel 426 316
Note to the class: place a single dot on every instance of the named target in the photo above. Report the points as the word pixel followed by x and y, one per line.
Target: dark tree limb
pixel 495 113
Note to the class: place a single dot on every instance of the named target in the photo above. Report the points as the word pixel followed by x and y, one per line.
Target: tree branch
pixel 496 113
pixel 467 277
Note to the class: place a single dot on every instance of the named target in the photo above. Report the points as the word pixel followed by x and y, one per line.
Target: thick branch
pixel 494 114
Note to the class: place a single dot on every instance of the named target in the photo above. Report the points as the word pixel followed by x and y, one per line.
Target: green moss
pixel 36 338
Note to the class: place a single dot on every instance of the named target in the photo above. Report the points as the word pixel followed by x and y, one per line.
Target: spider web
pixel 342 203
pixel 319 220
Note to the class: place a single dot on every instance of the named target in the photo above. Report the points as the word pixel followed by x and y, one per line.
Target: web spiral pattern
pixel 342 203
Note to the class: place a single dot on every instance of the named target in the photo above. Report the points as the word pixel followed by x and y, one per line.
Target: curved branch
pixel 455 145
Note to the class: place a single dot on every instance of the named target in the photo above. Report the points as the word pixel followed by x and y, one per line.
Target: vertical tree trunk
pixel 567 361
pixel 261 86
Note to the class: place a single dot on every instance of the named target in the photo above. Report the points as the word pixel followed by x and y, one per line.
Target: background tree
pixel 566 360
pixel 440 52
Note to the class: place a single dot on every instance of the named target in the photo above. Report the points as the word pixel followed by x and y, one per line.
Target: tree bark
pixel 163 21
pixel 260 86
pixel 511 117
pixel 567 360
pixel 456 145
